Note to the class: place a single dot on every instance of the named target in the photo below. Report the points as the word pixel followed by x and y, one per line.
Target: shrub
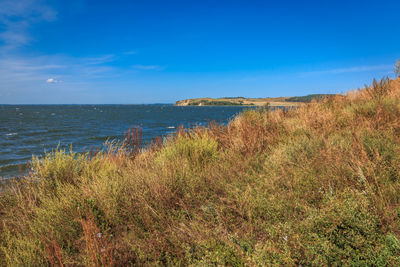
pixel 194 148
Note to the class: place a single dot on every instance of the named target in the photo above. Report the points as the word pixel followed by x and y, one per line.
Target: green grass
pixel 205 102
pixel 308 98
pixel 316 185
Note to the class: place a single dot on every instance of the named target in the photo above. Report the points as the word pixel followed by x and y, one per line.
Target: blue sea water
pixel 27 130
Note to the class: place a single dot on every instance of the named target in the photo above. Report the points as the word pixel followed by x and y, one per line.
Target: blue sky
pixel 132 52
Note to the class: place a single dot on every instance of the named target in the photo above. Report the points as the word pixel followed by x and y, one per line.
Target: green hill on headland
pixel 318 185
pixel 241 101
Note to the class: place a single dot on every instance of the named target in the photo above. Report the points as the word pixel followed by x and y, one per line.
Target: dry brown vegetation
pixel 315 185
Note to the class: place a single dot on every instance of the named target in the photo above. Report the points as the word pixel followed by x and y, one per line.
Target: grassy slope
pixel 277 101
pixel 271 101
pixel 318 185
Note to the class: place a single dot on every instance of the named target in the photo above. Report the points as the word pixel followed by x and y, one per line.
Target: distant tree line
pixel 216 103
pixel 307 98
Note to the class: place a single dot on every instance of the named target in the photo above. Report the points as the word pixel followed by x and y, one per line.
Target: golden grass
pixel 315 185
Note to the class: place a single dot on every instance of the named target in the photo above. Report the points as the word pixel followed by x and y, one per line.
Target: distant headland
pixel 242 101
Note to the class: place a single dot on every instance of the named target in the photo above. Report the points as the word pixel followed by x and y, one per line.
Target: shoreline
pixel 242 101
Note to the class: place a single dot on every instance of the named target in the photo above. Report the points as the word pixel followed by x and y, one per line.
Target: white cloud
pixel 52 80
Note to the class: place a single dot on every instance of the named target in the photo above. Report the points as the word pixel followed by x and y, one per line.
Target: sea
pixel 27 130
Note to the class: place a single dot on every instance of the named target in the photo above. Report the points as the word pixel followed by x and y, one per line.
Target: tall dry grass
pixel 315 185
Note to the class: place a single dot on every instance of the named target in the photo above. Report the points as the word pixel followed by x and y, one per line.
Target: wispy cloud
pixel 130 53
pixel 99 59
pixel 33 64
pixel 39 68
pixel 16 19
pixel 33 9
pixel 148 67
pixel 23 74
pixel 349 70
pixel 17 16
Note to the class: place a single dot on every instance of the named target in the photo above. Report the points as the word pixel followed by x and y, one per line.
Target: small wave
pixel 4 146
pixel 9 161
pixel 171 127
pixel 11 134
pixel 111 137
pixel 12 170
pixel 9 167
pixel 34 133
pixel 52 114
pixel 56 130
